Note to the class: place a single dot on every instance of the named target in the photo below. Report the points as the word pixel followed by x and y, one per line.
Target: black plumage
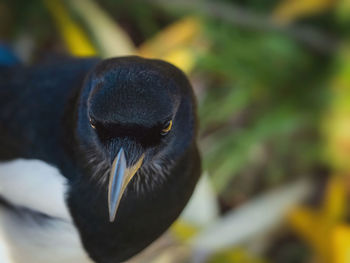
pixel 77 114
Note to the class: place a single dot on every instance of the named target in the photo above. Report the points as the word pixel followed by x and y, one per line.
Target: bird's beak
pixel 119 178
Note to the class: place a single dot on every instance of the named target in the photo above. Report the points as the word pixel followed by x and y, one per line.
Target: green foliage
pixel 30 17
pixel 266 92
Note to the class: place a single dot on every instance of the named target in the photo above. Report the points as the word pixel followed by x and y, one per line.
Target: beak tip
pixel 111 218
pixel 111 211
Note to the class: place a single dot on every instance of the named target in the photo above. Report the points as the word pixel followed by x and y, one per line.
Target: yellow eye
pixel 92 124
pixel 167 127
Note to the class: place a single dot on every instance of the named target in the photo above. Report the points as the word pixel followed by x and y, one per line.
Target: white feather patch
pixel 37 186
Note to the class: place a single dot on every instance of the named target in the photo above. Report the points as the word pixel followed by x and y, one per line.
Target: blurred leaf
pixel 343 10
pixel 290 10
pixel 183 230
pixel 254 218
pixel 202 208
pixel 178 34
pixel 172 254
pixel 252 58
pixel 183 58
pixel 221 103
pixel 5 253
pixel 234 256
pixel 109 38
pixel 230 153
pixel 201 211
pixel 73 35
pixel 336 125
pixel 175 44
pixel 340 244
pixel 332 213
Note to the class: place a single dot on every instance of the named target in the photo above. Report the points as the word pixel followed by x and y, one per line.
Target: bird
pixel 98 157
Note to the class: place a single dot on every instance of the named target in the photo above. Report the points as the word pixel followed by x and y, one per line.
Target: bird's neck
pixel 142 215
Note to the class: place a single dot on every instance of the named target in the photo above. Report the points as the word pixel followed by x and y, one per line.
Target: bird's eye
pixel 167 127
pixel 92 123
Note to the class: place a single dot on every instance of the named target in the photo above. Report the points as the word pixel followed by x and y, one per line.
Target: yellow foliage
pixel 340 248
pixel 343 10
pixel 175 44
pixel 338 139
pixel 342 78
pixel 73 35
pixel 182 58
pixel 183 231
pixel 325 229
pixel 108 37
pixel 336 126
pixel 181 33
pixel 290 10
pixel 317 226
pixel 234 256
pixel 313 229
pixel 334 205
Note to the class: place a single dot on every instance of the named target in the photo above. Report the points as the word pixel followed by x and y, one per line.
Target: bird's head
pixel 134 114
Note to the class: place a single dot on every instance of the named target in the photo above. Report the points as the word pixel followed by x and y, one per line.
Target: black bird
pixel 97 157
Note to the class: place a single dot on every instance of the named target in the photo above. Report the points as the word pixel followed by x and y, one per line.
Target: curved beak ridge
pixel 119 178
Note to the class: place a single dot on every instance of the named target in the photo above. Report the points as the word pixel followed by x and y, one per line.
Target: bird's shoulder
pixel 33 102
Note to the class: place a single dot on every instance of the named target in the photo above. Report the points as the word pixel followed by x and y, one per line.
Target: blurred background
pixel 272 79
